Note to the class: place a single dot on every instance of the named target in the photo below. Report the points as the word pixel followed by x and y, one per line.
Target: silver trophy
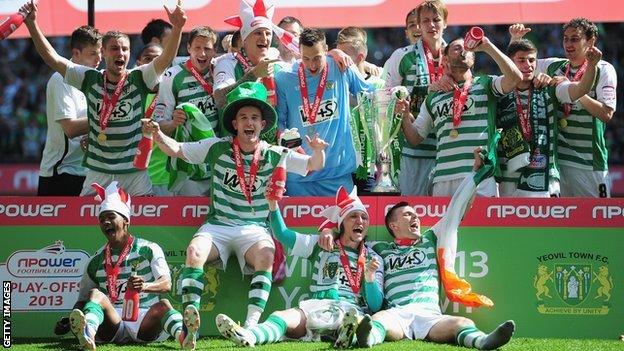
pixel 381 126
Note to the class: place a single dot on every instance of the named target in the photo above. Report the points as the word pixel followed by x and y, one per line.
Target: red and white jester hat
pixel 345 204
pixel 257 16
pixel 113 199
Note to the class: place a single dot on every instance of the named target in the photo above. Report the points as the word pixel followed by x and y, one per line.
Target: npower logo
pixel 148 211
pixel 30 210
pixel 434 211
pixel 49 262
pixel 299 211
pixel 530 211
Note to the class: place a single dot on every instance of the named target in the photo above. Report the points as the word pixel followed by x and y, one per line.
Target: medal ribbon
pixel 523 115
pixel 435 73
pixel 150 109
pixel 354 282
pixel 310 112
pixel 459 101
pixel 207 87
pixel 109 103
pixel 405 241
pixel 112 271
pixel 567 108
pixel 245 186
pixel 243 61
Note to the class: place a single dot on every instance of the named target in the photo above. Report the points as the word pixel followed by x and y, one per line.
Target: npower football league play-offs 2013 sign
pixel 549 264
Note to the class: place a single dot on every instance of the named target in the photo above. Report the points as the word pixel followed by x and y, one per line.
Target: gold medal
pixel 101 137
pixel 454 133
pixel 563 123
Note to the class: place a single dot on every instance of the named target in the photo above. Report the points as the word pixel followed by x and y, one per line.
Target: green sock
pixel 497 338
pixel 270 331
pixel 470 337
pixel 258 296
pixel 192 286
pixel 377 334
pixel 172 323
pixel 94 314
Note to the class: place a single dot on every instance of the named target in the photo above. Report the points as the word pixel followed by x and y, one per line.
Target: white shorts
pixel 128 331
pixel 487 188
pixel 238 239
pixel 510 189
pixel 135 184
pixel 416 322
pixel 416 175
pixel 323 316
pixel 577 182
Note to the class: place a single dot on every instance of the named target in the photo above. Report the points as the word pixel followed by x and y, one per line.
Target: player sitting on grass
pixel 343 286
pixel 125 261
pixel 411 287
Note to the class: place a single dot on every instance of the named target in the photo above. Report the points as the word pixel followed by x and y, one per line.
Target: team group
pixel 223 124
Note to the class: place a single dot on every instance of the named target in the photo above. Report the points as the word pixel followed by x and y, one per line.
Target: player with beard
pixel 582 147
pixel 463 118
pixel 125 261
pixel 117 97
pixel 346 282
pixel 242 165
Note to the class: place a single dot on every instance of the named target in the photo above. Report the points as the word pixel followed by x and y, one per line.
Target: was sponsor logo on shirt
pixel 328 110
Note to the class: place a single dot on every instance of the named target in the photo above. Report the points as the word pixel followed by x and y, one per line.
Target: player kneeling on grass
pixel 411 287
pixel 125 261
pixel 343 285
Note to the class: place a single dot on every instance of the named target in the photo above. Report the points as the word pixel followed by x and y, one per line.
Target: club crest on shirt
pixel 329 270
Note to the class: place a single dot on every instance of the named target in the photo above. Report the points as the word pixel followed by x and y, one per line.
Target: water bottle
pixel 277 186
pixel 130 309
pixel 11 24
pixel 144 152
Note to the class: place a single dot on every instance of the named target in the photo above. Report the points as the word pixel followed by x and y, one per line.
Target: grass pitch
pixel 517 344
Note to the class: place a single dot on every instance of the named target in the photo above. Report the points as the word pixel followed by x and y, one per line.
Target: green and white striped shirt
pixel 454 157
pixel 229 205
pixel 582 143
pixel 408 67
pixel 178 86
pixel 547 102
pixel 116 154
pixel 328 278
pixel 411 272
pixel 146 256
